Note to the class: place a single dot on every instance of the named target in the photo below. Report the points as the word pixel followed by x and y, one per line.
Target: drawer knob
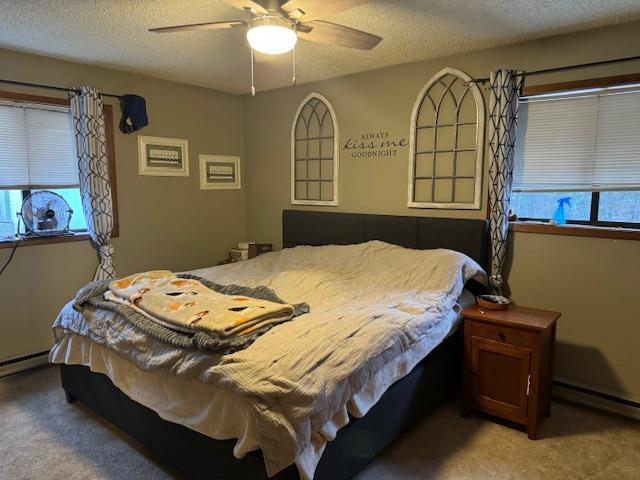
pixel 502 336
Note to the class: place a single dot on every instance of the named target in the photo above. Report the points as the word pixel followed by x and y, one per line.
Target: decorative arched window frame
pixel 335 152
pixel 471 86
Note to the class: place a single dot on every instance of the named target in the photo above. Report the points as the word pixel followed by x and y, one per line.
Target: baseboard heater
pixel 26 362
pixel 595 398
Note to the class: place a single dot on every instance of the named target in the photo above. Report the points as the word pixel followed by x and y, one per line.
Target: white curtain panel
pixel 93 166
pixel 505 90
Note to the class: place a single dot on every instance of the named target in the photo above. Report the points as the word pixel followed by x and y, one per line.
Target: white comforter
pixel 370 303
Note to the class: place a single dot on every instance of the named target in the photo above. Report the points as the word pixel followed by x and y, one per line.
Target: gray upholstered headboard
pixel 470 237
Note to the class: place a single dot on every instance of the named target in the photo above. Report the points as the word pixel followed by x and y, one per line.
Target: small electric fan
pixel 45 214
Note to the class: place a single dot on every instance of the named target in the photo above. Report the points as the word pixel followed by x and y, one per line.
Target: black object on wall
pixel 134 113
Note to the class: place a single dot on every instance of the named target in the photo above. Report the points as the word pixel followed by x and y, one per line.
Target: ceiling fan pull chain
pixel 253 87
pixel 293 66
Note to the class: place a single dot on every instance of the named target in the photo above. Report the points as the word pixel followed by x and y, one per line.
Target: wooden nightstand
pixel 508 363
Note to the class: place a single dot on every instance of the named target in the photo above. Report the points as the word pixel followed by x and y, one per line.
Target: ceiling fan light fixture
pixel 272 35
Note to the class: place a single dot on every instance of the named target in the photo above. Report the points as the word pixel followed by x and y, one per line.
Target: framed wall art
pixel 447 143
pixel 164 157
pixel 220 172
pixel 314 153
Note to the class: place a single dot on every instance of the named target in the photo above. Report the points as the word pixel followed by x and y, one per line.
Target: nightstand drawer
pixel 512 336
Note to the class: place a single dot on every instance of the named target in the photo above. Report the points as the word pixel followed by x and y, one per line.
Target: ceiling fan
pixel 275 25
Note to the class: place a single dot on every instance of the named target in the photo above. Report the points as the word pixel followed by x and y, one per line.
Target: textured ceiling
pixel 113 33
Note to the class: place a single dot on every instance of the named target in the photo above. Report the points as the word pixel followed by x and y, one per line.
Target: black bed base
pixel 431 383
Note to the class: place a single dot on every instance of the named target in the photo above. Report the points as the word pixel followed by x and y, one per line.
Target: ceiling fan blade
pixel 247 4
pixel 334 34
pixel 199 26
pixel 307 10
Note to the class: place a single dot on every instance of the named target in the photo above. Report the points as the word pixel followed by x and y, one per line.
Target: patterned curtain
pixel 505 89
pixel 91 145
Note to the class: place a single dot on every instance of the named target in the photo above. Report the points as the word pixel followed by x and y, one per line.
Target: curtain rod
pixel 51 87
pixel 569 67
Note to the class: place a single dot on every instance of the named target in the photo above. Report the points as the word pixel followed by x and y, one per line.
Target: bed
pixel 430 382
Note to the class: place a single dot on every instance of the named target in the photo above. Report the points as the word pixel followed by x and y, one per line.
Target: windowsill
pixel 27 242
pixel 575 230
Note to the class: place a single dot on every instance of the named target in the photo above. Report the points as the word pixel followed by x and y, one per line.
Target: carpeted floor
pixel 43 437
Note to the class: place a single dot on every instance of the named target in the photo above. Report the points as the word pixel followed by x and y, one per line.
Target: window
pixel 314 153
pixel 583 144
pixel 37 152
pixel 11 202
pixel 447 128
pixel 7 214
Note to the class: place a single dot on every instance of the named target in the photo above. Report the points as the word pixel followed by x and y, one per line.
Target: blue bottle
pixel 560 217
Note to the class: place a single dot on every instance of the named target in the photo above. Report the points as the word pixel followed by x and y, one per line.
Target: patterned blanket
pixel 93 294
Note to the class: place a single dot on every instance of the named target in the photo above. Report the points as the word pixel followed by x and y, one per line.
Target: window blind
pixel 579 142
pixel 37 148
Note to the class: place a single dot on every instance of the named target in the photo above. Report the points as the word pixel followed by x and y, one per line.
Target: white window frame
pixel 480 130
pixel 336 153
pixel 5 214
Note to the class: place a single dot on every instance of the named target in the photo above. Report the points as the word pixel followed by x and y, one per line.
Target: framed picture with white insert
pixel 164 157
pixel 220 172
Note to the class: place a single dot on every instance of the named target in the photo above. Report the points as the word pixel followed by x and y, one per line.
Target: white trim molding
pixel 479 144
pixel 336 152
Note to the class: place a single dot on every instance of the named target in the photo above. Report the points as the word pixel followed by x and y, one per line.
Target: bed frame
pixel 433 381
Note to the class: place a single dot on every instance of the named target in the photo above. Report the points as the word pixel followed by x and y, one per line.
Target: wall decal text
pixel 374 145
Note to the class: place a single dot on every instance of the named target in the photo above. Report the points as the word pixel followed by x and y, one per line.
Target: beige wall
pixel 593 282
pixel 597 340
pixel 164 222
